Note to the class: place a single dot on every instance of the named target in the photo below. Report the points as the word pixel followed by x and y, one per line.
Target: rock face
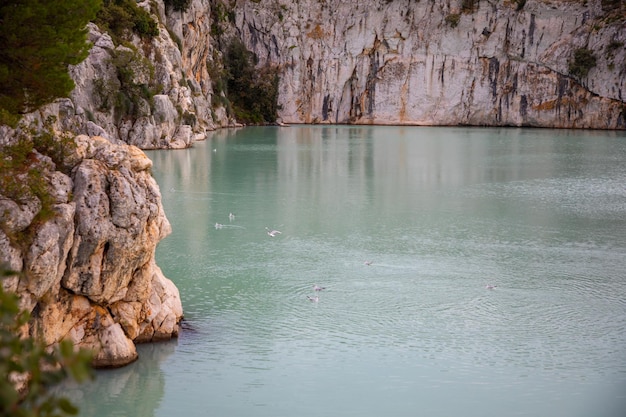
pixel 442 62
pixel 88 272
pixel 425 62
pixel 155 94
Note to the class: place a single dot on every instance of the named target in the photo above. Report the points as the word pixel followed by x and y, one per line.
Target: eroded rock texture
pixel 442 62
pixel 88 271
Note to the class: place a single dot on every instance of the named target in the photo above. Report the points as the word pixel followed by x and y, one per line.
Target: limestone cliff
pixel 424 62
pixel 434 62
pixel 154 93
pixel 88 269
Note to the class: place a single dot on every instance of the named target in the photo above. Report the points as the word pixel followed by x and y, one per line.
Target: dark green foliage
pixel 614 45
pixel 28 356
pixel 469 6
pixel 220 15
pixel 610 51
pixel 122 18
pixel 134 98
pixel 253 92
pixel 453 19
pixel 178 5
pixel 583 61
pixel 38 40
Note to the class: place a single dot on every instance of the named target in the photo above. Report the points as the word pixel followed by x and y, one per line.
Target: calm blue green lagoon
pixel 406 227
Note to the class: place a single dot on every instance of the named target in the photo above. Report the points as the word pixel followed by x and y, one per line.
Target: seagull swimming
pixel 490 287
pixel 367 262
pixel 231 217
pixel 313 299
pixel 218 225
pixel 272 233
pixel 318 288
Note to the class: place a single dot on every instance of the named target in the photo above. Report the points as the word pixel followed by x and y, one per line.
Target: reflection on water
pixel 134 390
pixel 441 213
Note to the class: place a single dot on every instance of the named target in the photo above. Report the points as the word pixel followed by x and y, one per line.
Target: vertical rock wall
pixel 442 62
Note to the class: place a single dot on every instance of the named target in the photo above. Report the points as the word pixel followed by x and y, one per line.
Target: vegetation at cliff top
pixel 122 18
pixel 29 360
pixel 40 39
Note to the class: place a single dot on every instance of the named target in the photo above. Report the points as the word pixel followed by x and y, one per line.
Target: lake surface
pixel 440 213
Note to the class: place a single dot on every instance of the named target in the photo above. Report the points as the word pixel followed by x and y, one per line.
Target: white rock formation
pixel 167 103
pixel 88 272
pixel 433 63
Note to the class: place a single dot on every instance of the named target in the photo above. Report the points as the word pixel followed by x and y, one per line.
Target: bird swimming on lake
pixel 218 225
pixel 318 288
pixel 231 217
pixel 313 299
pixel 272 233
pixel 367 263
pixel 490 287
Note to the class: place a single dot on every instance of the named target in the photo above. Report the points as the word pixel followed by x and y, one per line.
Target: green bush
pixel 133 91
pixel 122 18
pixel 178 5
pixel 253 92
pixel 583 61
pixel 469 6
pixel 453 19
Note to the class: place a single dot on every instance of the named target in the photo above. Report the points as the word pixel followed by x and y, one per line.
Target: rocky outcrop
pixel 152 93
pixel 442 62
pixel 88 269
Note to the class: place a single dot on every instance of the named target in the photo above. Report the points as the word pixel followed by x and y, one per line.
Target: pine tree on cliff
pixel 39 39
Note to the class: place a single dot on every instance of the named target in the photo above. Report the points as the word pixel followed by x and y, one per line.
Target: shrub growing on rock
pixel 178 5
pixel 252 91
pixel 122 18
pixel 583 61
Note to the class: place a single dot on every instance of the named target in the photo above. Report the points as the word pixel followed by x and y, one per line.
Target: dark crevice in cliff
pixel 494 70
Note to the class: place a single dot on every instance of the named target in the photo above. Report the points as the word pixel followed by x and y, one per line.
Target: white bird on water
pixel 313 299
pixel 490 287
pixel 318 288
pixel 231 217
pixel 218 225
pixel 272 233
pixel 367 263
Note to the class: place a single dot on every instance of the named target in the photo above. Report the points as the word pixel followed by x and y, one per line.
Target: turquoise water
pixel 440 213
